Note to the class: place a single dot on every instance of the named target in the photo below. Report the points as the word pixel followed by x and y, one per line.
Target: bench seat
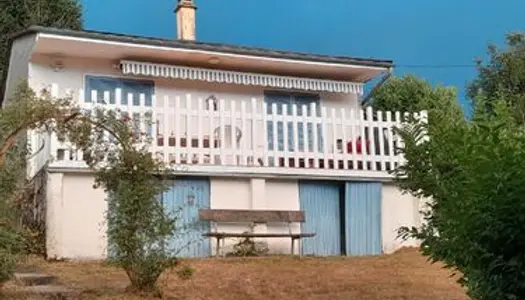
pixel 261 235
pixel 253 217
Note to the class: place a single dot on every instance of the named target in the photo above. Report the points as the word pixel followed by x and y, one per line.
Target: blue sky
pixel 413 33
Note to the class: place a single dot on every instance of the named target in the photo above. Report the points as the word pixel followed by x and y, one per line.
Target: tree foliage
pixel 139 226
pixel 472 173
pixel 139 229
pixel 26 111
pixel 412 94
pixel 502 77
pixel 17 15
pixel 469 172
pixel 118 153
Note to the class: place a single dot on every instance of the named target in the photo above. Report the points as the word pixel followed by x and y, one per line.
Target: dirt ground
pixel 403 275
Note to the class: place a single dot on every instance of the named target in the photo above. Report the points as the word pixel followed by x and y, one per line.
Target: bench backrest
pixel 249 216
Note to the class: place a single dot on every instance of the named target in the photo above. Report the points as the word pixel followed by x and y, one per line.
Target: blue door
pixel 321 203
pixel 363 218
pixel 184 198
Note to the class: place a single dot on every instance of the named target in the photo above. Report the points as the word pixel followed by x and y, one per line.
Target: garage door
pixel 321 203
pixel 363 218
pixel 185 197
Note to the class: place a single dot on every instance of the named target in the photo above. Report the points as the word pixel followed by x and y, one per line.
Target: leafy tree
pixel 124 167
pixel 502 77
pixel 472 173
pixel 412 94
pixel 138 226
pixel 25 111
pixel 17 15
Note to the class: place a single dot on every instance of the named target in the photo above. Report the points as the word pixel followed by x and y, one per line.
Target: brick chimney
pixel 185 12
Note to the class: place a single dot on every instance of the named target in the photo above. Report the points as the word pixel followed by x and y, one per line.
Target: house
pixel 218 115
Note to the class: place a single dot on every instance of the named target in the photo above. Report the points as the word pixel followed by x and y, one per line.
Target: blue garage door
pixel 185 197
pixel 321 203
pixel 363 218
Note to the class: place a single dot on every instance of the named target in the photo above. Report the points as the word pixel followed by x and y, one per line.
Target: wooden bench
pixel 254 217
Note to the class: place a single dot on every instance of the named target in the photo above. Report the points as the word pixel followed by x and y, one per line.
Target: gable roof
pixel 216 47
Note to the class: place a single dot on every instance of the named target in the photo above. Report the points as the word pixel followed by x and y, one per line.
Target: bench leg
pixel 217 247
pixel 223 247
pixel 300 250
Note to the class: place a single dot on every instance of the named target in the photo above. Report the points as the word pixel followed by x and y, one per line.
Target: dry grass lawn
pixel 404 275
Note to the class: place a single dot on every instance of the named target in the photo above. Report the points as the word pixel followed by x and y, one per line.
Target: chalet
pixel 243 128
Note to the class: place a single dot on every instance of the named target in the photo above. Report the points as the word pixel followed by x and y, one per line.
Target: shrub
pixel 10 246
pixel 473 173
pixel 139 229
pixel 248 247
pixel 25 111
pixel 185 272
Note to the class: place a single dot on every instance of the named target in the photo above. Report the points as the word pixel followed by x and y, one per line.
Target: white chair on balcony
pixel 229 143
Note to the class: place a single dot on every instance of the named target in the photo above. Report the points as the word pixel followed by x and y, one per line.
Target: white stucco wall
pixel 255 193
pixel 398 210
pixel 18 65
pixel 72 76
pixel 75 224
pixel 74 71
pixel 230 194
pixel 282 195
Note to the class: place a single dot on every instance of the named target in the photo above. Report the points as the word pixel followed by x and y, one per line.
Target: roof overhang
pixel 96 45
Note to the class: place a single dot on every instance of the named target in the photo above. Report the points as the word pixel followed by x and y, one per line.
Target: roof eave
pixel 230 49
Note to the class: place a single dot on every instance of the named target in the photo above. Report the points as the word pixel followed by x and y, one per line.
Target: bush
pixel 10 246
pixel 248 247
pixel 186 272
pixel 473 172
pixel 7 265
pixel 139 229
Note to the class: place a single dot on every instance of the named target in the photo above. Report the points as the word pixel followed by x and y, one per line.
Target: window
pixel 299 100
pixel 131 88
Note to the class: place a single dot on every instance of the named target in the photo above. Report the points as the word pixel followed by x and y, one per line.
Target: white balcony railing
pixel 190 131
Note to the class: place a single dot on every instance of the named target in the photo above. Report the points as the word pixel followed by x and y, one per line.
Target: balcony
pixel 236 137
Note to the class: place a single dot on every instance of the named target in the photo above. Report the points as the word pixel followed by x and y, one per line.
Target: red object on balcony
pixel 359 146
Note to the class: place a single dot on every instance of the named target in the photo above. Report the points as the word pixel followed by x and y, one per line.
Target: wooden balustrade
pixel 188 130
